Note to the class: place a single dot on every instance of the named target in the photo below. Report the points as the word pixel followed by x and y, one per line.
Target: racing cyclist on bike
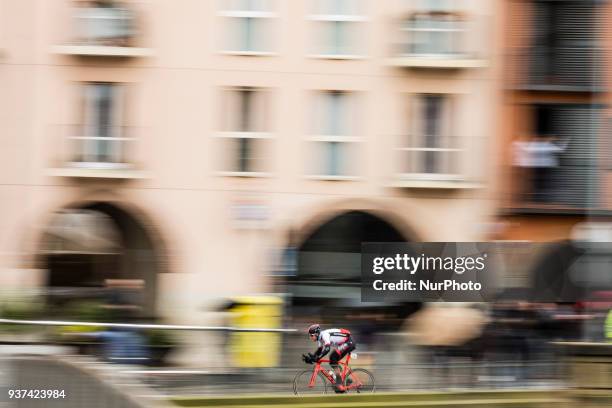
pixel 339 341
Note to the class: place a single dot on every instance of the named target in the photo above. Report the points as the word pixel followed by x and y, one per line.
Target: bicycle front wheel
pixel 360 380
pixel 304 384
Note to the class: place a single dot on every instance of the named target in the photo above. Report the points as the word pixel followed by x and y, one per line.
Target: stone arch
pixel 143 252
pixel 323 281
pixel 320 215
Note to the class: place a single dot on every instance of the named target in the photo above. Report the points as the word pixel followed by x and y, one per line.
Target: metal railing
pixel 436 162
pixel 440 6
pixel 145 326
pixel 106 147
pixel 111 26
pixel 396 363
pixel 561 68
pixel 432 42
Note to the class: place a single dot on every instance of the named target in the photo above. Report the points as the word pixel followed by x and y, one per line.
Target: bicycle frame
pixel 345 369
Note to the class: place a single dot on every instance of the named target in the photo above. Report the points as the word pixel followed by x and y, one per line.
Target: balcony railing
pixel 440 6
pixel 443 166
pixel 435 40
pixel 105 26
pixel 436 43
pixel 430 162
pixel 100 151
pixel 563 68
pixel 87 152
pixel 564 188
pixel 103 31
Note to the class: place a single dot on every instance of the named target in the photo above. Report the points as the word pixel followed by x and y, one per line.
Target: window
pixel 245 130
pixel 439 34
pixel 333 114
pixel 248 26
pixel 544 119
pixel 565 47
pixel 100 140
pixel 333 135
pixel 338 28
pixel 431 150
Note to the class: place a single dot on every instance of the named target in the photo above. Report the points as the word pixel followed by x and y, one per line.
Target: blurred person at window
pixel 540 156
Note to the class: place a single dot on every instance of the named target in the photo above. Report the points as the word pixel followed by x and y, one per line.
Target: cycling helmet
pixel 314 329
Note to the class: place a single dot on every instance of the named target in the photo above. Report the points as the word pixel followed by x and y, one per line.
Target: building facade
pixel 188 146
pixel 555 121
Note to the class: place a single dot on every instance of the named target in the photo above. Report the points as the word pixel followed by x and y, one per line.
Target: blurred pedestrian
pixel 123 346
pixel 447 332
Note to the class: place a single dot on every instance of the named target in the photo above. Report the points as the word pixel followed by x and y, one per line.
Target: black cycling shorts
pixel 341 351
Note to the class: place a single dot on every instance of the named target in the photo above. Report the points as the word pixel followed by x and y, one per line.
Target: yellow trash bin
pixel 249 349
pixel 608 327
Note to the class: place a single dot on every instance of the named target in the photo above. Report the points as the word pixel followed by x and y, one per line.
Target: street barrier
pixel 147 326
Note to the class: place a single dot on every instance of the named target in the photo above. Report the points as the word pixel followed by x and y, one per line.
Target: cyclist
pixel 339 341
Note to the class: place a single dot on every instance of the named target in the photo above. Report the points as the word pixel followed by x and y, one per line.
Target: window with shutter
pixel 576 181
pixel 565 50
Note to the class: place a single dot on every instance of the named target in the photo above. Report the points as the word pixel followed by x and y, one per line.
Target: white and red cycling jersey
pixel 333 338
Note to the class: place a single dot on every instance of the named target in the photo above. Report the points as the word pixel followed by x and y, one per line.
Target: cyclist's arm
pixel 321 352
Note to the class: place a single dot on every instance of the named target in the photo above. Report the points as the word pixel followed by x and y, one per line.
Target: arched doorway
pixel 327 276
pixel 98 250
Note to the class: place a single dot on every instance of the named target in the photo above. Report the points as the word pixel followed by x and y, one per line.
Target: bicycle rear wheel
pixel 302 386
pixel 359 380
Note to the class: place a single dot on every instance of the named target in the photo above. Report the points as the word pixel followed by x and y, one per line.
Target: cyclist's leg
pixel 349 346
pixel 346 348
pixel 338 354
pixel 334 357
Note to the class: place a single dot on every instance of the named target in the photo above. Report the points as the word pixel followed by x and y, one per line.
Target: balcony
pixel 561 190
pixel 108 153
pixel 565 69
pixel 433 182
pixel 432 168
pixel 435 41
pixel 560 170
pixel 437 61
pixel 103 32
pixel 438 6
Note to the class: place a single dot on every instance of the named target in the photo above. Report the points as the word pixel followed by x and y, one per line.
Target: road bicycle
pixel 320 381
